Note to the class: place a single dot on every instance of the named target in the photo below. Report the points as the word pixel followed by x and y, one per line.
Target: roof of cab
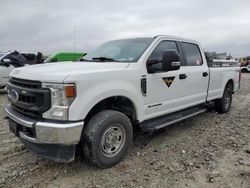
pixel 176 38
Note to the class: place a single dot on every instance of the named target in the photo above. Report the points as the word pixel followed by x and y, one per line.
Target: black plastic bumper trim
pixel 54 152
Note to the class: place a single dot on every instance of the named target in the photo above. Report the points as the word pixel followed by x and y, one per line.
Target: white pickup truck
pixel 95 104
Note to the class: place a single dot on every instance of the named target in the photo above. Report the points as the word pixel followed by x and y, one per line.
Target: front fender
pixel 88 97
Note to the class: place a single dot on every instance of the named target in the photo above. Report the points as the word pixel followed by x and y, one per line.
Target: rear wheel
pixel 223 105
pixel 106 138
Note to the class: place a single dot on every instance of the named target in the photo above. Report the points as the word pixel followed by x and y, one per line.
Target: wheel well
pixel 231 83
pixel 119 103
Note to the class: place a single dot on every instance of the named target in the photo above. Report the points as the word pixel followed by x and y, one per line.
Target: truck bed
pixel 220 72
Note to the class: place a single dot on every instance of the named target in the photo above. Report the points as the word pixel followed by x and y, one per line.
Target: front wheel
pixel 106 138
pixel 223 105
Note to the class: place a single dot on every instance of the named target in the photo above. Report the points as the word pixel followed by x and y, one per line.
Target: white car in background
pixel 12 60
pixel 245 68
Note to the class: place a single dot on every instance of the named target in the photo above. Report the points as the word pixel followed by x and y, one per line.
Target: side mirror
pixel 170 60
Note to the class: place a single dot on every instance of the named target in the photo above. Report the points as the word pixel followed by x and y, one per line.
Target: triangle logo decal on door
pixel 168 80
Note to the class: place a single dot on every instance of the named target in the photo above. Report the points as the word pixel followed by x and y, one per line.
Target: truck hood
pixel 58 72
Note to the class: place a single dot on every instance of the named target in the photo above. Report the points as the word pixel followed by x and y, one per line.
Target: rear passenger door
pixel 197 74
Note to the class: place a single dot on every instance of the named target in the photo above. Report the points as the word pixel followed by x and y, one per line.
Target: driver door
pixel 165 91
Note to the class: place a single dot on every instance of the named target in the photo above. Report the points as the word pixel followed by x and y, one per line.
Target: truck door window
pixel 192 53
pixel 156 55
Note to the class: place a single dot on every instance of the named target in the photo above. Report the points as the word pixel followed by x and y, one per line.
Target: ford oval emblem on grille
pixel 13 95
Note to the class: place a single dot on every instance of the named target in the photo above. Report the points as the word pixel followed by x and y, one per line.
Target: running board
pixel 164 121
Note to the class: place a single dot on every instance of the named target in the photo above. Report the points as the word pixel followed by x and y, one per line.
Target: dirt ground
pixel 210 150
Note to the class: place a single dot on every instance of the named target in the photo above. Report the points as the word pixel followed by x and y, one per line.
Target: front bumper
pixel 47 136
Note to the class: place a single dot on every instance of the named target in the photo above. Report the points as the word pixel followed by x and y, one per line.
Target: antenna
pixel 74 40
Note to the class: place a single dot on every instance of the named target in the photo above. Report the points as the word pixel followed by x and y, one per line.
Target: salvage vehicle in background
pixel 12 60
pixel 245 67
pixel 64 56
pixel 140 82
pixel 245 64
pixel 248 68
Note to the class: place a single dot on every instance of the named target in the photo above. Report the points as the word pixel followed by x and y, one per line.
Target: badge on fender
pixel 168 80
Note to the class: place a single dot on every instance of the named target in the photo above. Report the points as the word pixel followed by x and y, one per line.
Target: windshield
pixel 126 50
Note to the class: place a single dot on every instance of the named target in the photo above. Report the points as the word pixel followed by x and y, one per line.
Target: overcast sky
pixel 48 25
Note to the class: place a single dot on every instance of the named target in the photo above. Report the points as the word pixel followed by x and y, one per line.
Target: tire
pixel 106 138
pixel 223 105
pixel 244 70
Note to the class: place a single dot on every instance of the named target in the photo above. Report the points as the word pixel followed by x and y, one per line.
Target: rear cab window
pixel 192 54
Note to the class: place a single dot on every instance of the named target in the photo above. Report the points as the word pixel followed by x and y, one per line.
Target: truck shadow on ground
pixel 140 141
pixel 3 92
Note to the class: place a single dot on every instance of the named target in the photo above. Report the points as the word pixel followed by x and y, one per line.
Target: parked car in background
pixel 12 60
pixel 245 67
pixel 65 56
pixel 245 64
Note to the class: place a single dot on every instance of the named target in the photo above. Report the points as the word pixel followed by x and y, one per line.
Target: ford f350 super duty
pixel 94 104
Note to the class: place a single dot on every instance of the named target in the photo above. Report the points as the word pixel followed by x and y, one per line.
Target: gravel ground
pixel 210 150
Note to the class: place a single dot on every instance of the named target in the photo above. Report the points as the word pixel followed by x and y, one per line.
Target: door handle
pixel 204 74
pixel 182 76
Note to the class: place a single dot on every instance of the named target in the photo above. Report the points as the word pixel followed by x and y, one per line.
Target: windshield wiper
pixel 103 59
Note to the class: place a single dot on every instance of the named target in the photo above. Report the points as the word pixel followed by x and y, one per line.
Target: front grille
pixel 26 112
pixel 27 99
pixel 25 83
pixel 33 100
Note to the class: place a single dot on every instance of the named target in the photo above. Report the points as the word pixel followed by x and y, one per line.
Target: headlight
pixel 62 96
